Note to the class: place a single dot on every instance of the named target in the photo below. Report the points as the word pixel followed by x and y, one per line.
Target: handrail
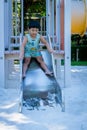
pixel 21 85
pixel 53 61
pixel 20 60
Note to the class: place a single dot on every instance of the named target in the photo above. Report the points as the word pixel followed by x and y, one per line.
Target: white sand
pixel 74 118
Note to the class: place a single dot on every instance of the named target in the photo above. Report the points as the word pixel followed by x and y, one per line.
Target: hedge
pixel 79 53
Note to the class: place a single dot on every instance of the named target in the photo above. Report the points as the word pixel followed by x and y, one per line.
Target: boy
pixel 30 48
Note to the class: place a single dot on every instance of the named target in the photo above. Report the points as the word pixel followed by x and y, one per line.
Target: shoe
pixel 49 73
pixel 23 77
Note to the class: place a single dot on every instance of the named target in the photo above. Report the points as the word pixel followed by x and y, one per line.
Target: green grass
pixel 79 63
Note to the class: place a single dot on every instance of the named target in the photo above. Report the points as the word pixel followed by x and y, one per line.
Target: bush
pixel 79 53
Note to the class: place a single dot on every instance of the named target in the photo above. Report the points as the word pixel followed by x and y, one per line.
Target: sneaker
pixel 49 73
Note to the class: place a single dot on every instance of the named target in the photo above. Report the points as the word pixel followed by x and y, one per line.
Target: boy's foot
pixel 49 73
pixel 23 76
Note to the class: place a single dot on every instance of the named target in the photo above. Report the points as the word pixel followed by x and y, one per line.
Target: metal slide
pixel 39 90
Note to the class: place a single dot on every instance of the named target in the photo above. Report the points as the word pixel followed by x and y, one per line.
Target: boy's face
pixel 33 31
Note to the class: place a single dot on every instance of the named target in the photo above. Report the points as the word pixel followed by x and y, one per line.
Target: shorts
pixel 32 54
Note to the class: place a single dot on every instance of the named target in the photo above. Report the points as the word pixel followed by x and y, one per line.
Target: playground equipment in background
pixel 78 13
pixel 78 18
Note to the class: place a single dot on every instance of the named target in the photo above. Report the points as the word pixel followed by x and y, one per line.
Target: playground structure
pixel 63 17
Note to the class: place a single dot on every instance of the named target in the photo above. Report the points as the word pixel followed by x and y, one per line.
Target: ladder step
pixel 15 45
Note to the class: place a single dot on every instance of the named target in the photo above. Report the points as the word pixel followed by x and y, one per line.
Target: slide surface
pixel 40 87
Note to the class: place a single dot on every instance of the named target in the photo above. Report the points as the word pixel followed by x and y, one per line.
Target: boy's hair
pixel 34 24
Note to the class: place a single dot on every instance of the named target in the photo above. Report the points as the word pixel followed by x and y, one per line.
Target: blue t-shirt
pixel 32 46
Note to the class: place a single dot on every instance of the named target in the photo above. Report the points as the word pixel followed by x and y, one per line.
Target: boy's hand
pixel 51 50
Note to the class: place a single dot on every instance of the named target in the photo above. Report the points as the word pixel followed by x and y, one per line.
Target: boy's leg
pixel 43 65
pixel 25 65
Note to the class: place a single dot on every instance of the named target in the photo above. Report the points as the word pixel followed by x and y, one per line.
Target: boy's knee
pixel 27 61
pixel 41 62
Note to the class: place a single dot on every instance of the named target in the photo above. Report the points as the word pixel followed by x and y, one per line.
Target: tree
pixel 33 8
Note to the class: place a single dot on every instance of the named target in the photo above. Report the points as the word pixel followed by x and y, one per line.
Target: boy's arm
pixel 46 44
pixel 22 47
